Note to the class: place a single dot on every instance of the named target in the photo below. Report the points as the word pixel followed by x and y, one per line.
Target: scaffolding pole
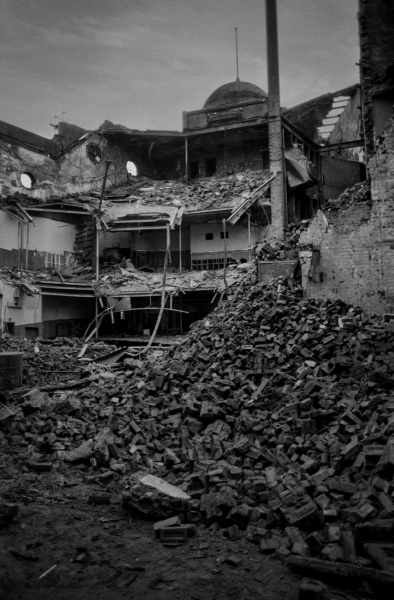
pixel 186 161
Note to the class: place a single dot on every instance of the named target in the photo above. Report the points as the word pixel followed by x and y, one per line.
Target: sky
pixel 141 63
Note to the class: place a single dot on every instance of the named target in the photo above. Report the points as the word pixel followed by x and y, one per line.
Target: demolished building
pixel 201 197
pixel 348 250
pixel 50 193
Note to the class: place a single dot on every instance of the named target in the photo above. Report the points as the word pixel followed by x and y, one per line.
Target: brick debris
pixel 274 415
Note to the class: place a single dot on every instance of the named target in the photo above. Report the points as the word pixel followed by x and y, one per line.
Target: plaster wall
pixel 72 173
pixel 29 308
pixel 237 238
pixel 45 235
pixel 14 160
pixel 8 231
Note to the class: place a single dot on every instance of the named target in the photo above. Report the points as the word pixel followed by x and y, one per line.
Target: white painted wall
pixel 51 236
pixel 31 311
pixel 237 237
pixel 8 231
pixel 45 235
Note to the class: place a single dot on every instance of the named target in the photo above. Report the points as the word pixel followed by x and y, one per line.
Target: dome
pixel 234 93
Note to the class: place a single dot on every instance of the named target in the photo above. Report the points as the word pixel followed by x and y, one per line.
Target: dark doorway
pixel 194 172
pixel 9 327
pixel 210 167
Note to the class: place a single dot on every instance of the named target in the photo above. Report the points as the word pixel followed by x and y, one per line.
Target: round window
pixel 131 168
pixel 28 181
pixel 94 153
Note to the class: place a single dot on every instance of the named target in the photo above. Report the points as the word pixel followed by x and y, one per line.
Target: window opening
pixel 94 153
pixel 28 181
pixel 131 168
pixel 209 236
pixel 211 264
pixel 222 235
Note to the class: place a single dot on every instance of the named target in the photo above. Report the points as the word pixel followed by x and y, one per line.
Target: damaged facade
pixel 348 249
pixel 216 176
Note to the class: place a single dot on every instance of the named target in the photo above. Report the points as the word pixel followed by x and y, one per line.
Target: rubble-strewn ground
pixel 274 415
pixel 97 552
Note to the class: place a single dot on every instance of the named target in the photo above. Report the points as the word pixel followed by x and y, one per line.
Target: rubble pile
pixel 52 361
pixel 360 192
pixel 119 280
pixel 23 280
pixel 286 250
pixel 200 194
pixel 274 415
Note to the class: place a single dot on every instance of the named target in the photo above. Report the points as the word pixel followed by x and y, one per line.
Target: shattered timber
pixel 196 360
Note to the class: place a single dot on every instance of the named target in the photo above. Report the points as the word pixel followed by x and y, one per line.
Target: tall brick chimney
pixel 278 208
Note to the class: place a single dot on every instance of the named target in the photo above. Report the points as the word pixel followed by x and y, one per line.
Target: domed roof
pixel 234 93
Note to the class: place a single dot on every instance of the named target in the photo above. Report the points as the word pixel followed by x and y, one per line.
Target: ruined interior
pixel 196 330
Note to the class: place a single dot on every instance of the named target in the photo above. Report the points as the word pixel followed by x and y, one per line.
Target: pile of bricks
pixel 46 362
pixel 360 192
pixel 287 249
pixel 274 415
pixel 201 194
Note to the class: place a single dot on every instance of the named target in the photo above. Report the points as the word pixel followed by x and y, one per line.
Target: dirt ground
pixel 100 552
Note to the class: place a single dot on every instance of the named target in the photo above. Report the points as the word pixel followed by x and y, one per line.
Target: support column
pixel 249 240
pixel 180 247
pixel 278 212
pixel 186 161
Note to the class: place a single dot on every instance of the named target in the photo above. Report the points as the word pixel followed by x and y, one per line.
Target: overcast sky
pixel 142 62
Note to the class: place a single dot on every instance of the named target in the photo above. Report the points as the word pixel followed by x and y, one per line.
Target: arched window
pixel 131 168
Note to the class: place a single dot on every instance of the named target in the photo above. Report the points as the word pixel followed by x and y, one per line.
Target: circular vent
pixel 94 153
pixel 28 181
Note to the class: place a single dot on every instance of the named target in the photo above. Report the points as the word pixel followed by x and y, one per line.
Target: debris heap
pixel 52 361
pixel 274 415
pixel 360 192
pixel 201 194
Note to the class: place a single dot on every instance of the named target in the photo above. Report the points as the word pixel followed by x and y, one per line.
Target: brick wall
pixel 376 27
pixel 355 261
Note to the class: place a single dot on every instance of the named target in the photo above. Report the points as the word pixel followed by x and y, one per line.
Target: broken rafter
pixel 248 202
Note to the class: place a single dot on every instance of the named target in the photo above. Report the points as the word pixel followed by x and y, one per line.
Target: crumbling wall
pixel 338 174
pixel 73 172
pixel 15 160
pixel 351 256
pixel 376 26
pixel 77 173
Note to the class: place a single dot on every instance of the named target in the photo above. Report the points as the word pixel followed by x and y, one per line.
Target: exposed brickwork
pixel 356 261
pixel 376 27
